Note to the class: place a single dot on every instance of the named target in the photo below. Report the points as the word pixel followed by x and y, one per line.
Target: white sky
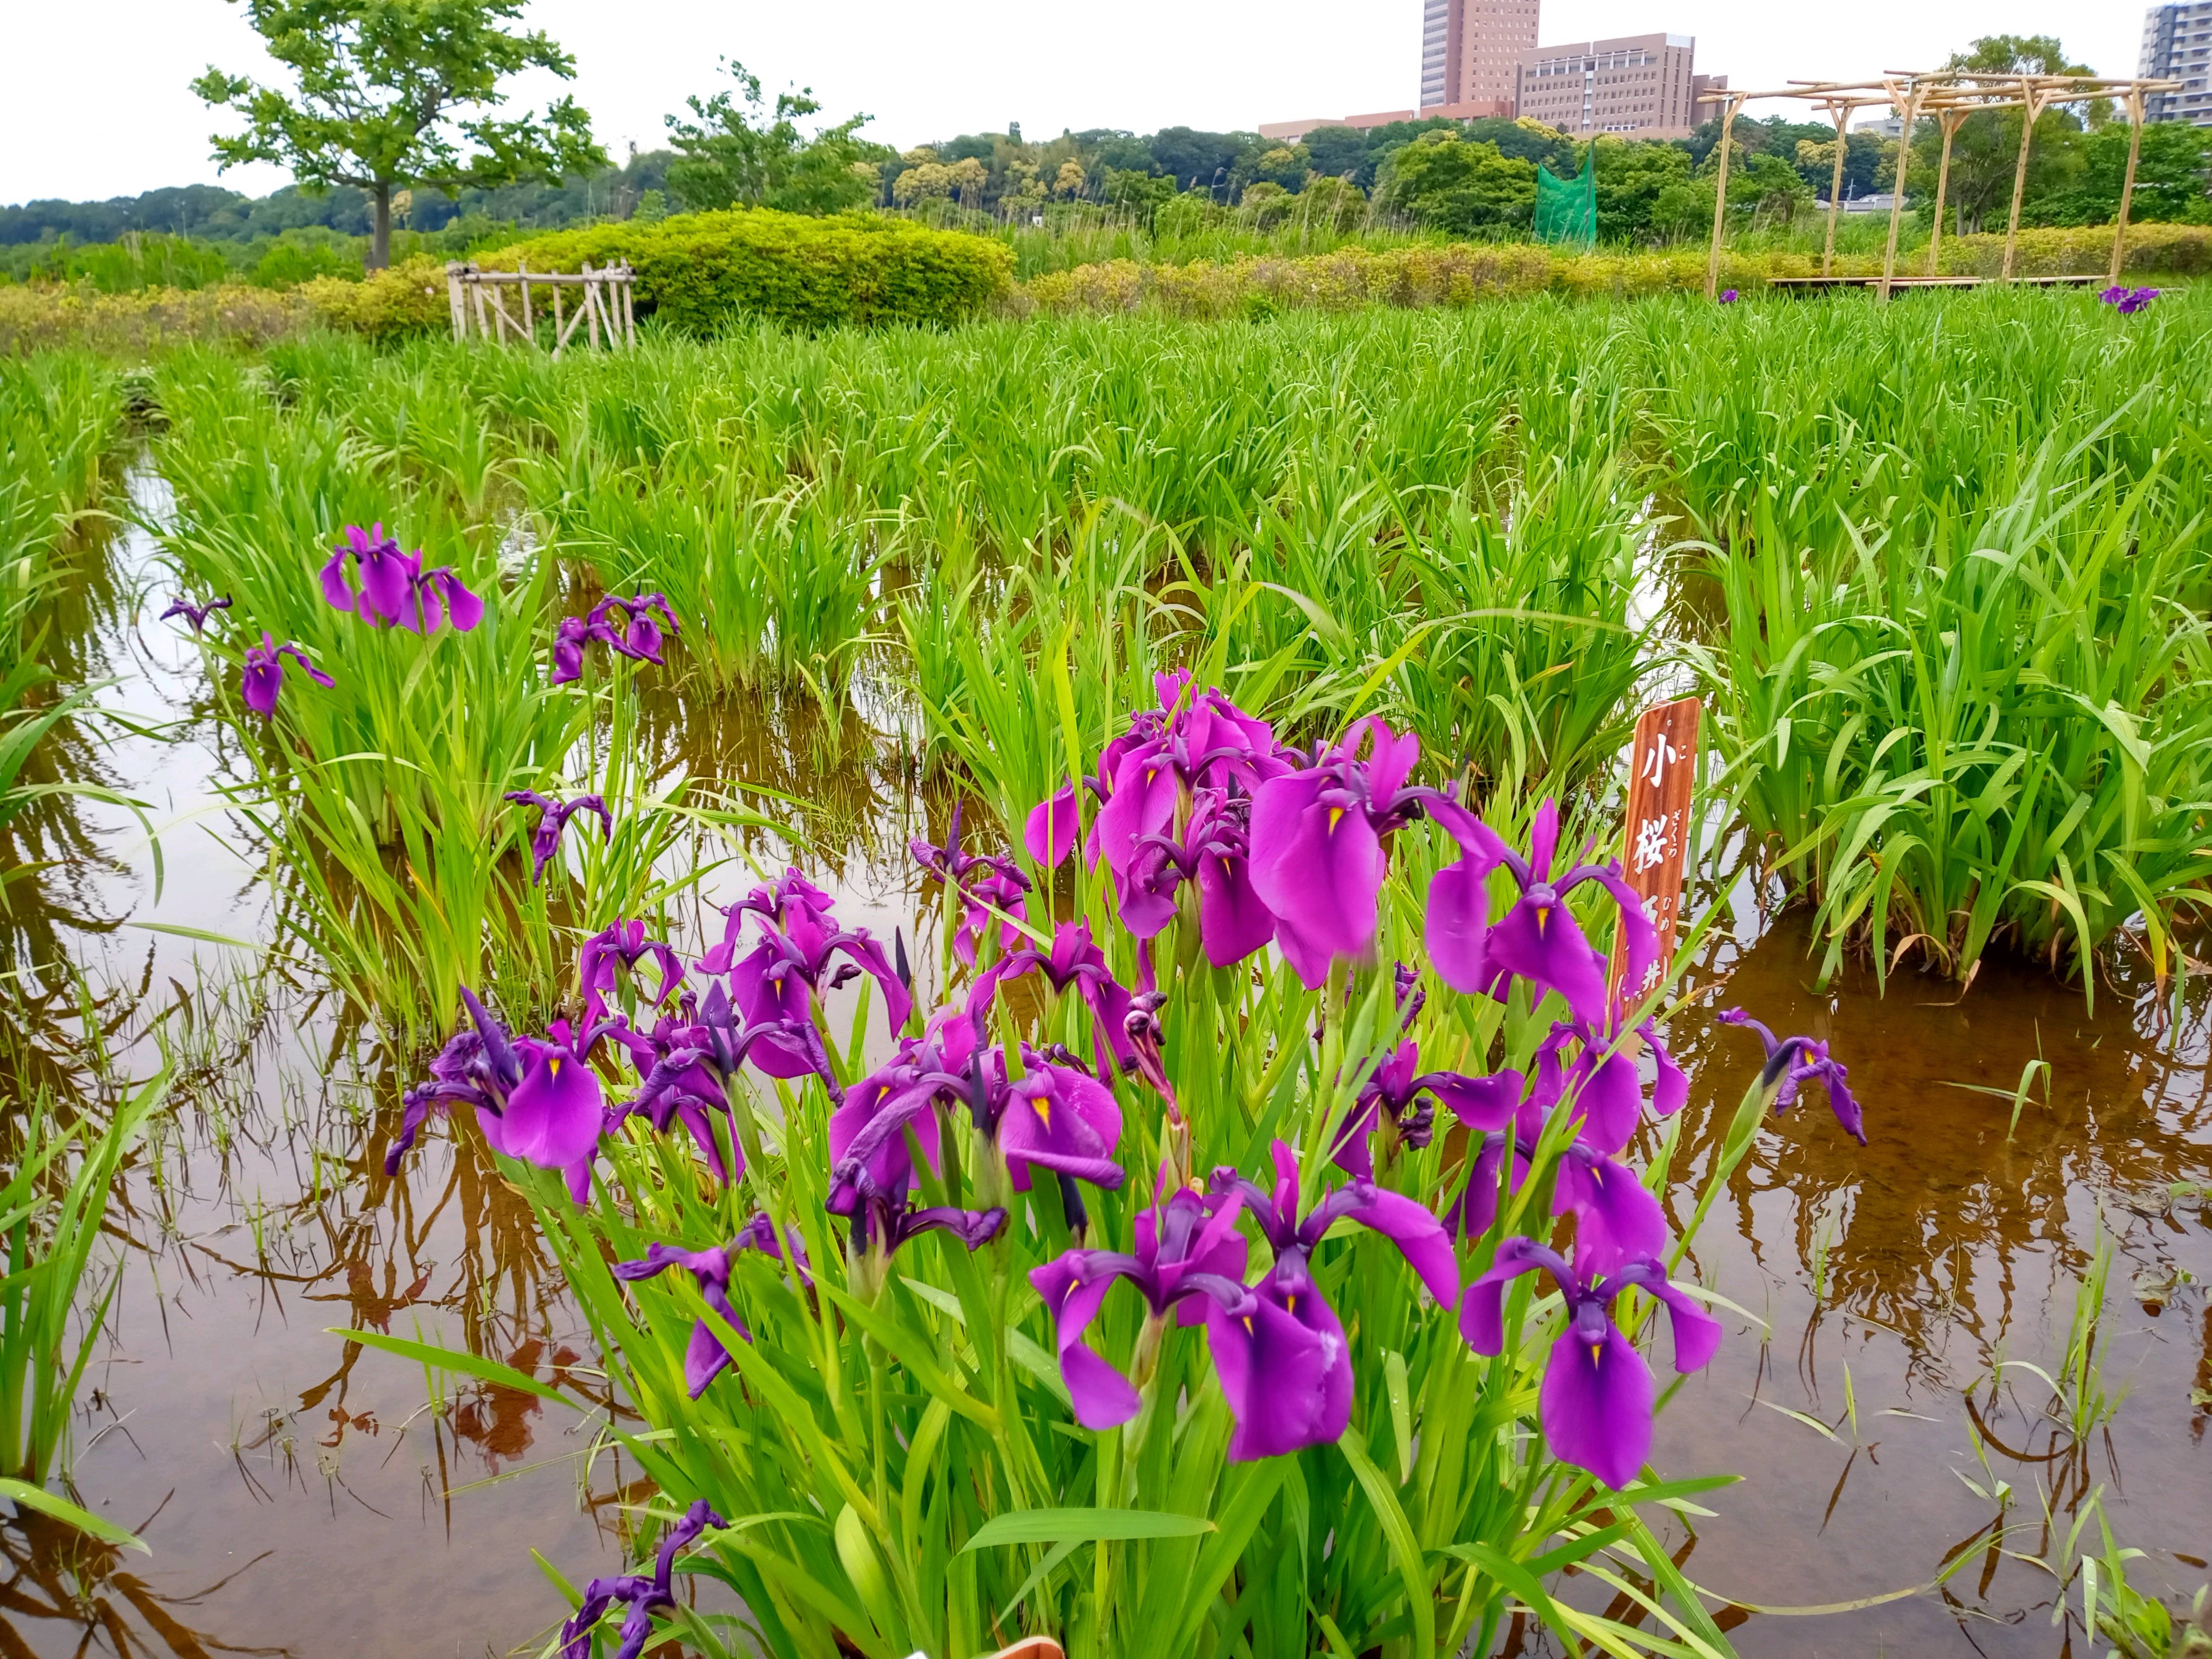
pixel 94 99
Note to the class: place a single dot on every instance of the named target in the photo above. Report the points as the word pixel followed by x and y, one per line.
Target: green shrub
pixel 402 300
pixel 699 270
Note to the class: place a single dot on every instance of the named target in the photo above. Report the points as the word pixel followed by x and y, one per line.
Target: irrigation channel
pixel 302 1495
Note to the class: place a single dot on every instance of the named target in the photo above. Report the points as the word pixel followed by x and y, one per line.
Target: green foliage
pixel 52 1203
pixel 1960 666
pixel 1631 179
pixel 384 89
pixel 2174 179
pixel 701 272
pixel 730 154
pixel 1457 186
pixel 405 299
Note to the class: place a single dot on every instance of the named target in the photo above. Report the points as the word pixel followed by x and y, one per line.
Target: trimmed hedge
pixel 698 270
pixel 1461 273
pixel 405 299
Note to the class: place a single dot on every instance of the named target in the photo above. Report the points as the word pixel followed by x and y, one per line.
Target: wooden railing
pixel 604 309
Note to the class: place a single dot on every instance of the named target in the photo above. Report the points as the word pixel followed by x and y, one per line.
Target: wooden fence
pixel 605 306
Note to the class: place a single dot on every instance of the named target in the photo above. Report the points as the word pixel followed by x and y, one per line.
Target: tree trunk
pixel 380 247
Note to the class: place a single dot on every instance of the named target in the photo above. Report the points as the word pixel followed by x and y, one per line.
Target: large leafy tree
pixel 1985 150
pixel 1443 180
pixel 399 94
pixel 737 149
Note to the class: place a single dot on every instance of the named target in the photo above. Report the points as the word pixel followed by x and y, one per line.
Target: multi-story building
pixel 1470 49
pixel 2177 46
pixel 1645 84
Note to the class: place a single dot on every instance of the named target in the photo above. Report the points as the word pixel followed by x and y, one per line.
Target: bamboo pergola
pixel 603 304
pixel 1949 96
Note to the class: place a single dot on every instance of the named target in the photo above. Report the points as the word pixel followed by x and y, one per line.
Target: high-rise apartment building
pixel 1469 53
pixel 1645 84
pixel 2177 46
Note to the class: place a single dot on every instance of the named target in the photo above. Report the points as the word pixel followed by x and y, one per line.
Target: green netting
pixel 1566 209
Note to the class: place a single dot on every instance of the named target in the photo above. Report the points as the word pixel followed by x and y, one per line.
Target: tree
pixel 1630 174
pixel 2172 178
pixel 1985 150
pixel 1444 181
pixel 390 91
pixel 733 152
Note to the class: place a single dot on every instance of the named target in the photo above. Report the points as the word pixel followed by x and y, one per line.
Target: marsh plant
pixel 1258 1245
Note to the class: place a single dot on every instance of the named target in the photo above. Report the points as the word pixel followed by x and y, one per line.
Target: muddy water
pixel 303 1496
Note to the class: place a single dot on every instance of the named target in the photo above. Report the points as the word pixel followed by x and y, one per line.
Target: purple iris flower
pixel 394 587
pixel 623 945
pixel 638 638
pixel 1075 960
pixel 1793 1061
pixel 868 1146
pixel 643 1595
pixel 1317 844
pixel 870 1169
pixel 688 1089
pixel 982 883
pixel 263 675
pixel 1210 859
pixel 641 614
pixel 705 1358
pixel 1285 1365
pixel 2129 301
pixel 1053 828
pixel 553 816
pixel 1538 940
pixel 1182 1255
pixel 717 1039
pixel 1729 296
pixel 197 615
pixel 537 1099
pixel 1595 1402
pixel 1051 1117
pixel 1603 1084
pixel 1145 778
pixel 779 977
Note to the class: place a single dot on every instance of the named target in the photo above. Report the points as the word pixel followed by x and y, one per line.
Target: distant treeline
pixel 210 212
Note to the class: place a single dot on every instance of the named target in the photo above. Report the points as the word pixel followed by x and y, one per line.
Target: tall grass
pixel 1911 541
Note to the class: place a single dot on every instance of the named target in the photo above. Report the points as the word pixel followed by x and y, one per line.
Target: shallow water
pixel 301 1497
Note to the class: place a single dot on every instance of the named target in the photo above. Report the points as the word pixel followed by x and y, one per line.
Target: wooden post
pixel 454 299
pixel 1842 115
pixel 1720 201
pixel 1949 120
pixel 591 306
pixel 559 335
pixel 529 322
pixel 1910 109
pixel 483 328
pixel 2029 110
pixel 629 305
pixel 2128 187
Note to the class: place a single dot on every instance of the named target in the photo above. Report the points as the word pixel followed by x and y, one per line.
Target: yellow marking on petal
pixel 1596 1349
pixel 554 1065
pixel 1543 916
pixel 1043 1104
pixel 1290 1305
pixel 1336 815
pixel 1248 1324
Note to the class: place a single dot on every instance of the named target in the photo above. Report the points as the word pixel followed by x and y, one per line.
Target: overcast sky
pixel 94 101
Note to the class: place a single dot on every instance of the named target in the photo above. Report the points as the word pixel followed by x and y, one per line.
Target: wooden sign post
pixel 1664 763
